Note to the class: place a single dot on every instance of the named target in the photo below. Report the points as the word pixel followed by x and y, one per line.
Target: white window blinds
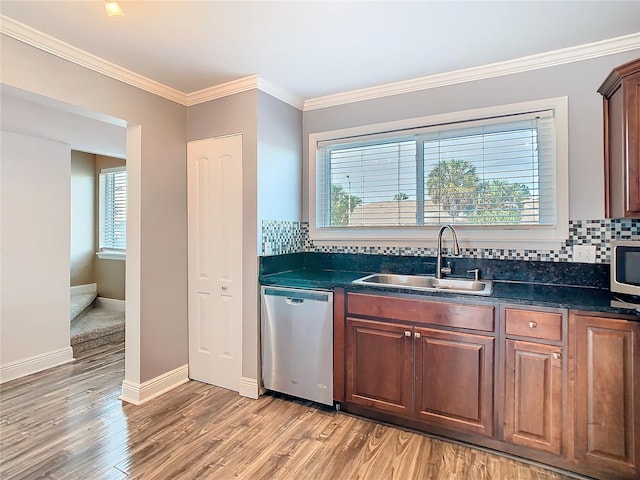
pixel 365 181
pixel 493 171
pixel 113 209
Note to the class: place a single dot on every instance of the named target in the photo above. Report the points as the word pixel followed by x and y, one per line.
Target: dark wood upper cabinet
pixel 621 102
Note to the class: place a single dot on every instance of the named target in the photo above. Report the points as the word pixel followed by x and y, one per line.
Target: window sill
pixel 112 255
pixel 536 238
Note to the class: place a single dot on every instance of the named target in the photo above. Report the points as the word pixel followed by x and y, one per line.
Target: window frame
pixel 470 236
pixel 107 253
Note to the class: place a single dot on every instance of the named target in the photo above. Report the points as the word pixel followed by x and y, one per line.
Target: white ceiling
pixel 317 48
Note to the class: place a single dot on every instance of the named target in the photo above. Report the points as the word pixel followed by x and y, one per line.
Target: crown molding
pixel 523 64
pixel 49 44
pixel 242 85
pixel 222 90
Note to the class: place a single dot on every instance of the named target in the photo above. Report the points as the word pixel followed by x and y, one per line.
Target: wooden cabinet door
pixel 621 91
pixel 534 386
pixel 607 373
pixel 454 380
pixel 379 365
pixel 631 88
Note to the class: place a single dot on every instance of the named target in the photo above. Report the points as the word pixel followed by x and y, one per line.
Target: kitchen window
pixel 113 213
pixel 499 175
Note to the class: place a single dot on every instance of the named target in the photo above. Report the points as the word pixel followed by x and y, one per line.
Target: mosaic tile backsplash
pixel 279 238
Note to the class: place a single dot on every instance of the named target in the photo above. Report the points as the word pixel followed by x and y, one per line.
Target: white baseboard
pixel 139 393
pixel 87 288
pixel 37 363
pixel 248 387
pixel 111 304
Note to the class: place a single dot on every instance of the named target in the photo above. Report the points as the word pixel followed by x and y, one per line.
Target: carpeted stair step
pixel 80 303
pixel 98 326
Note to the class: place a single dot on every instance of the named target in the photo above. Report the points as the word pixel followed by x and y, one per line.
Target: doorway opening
pixel 36 117
pixel 98 250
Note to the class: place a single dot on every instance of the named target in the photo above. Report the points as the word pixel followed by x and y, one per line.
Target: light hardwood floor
pixel 68 423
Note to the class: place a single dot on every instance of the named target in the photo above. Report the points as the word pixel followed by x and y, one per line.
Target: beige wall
pixel 83 218
pixel 86 267
pixel 159 344
pixel 110 274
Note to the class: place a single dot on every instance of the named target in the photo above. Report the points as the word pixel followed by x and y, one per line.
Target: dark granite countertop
pixel 559 296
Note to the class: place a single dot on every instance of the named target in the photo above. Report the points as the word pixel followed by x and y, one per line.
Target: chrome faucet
pixel 456 250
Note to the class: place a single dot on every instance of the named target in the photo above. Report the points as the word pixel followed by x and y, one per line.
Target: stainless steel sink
pixel 426 283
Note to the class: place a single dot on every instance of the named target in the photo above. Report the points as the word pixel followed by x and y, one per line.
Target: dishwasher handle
pixel 297 297
pixel 294 301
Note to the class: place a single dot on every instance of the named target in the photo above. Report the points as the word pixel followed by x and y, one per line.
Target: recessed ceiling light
pixel 113 9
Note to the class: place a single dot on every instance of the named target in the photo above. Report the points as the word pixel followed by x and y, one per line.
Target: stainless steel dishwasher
pixel 297 342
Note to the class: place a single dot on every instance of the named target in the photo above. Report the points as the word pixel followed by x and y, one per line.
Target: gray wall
pixel 163 226
pixel 226 116
pixel 279 160
pixel 35 219
pixel 30 114
pixel 579 81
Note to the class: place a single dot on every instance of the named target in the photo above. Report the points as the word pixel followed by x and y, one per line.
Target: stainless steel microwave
pixel 625 267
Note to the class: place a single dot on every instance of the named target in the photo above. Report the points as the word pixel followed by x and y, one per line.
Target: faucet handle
pixel 446 270
pixel 476 273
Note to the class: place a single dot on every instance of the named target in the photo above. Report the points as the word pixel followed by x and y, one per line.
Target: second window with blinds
pixel 499 174
pixel 113 213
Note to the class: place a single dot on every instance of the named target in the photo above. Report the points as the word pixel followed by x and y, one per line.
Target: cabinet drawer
pixel 474 317
pixel 533 324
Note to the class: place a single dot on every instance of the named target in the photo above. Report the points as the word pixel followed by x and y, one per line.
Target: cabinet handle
pixel 417 335
pixel 533 324
pixel 557 355
pixel 407 333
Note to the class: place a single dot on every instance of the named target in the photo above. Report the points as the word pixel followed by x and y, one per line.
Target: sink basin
pixel 427 283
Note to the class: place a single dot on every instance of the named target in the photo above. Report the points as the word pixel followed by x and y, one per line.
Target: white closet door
pixel 214 169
